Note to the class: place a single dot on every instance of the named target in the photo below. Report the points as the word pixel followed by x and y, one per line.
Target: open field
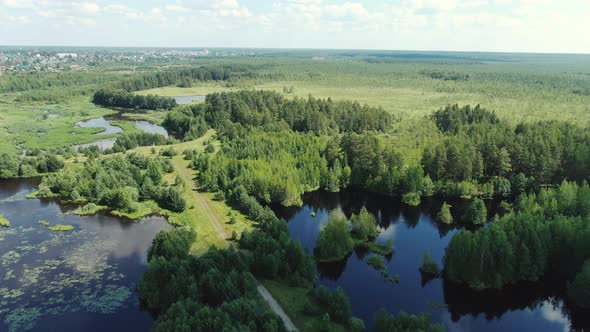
pixel 516 90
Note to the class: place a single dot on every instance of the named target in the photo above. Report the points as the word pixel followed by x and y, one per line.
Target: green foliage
pixel 476 212
pixel 4 222
pixel 364 225
pixel 412 199
pixel 171 198
pixel 334 241
pixel 61 228
pixel 579 290
pixel 385 322
pixel 44 223
pixel 334 303
pixel 429 266
pixel 12 166
pixel 445 75
pixel 444 215
pixel 124 99
pixel 173 243
pixel 127 141
pixel 119 182
pixel 376 262
pixel 524 245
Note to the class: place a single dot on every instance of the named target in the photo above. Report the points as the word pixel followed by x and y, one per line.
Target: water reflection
pixel 524 307
pixel 188 99
pixel 83 280
pixel 100 123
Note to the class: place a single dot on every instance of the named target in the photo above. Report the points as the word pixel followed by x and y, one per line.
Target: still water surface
pixel 527 307
pixel 83 280
pixel 108 128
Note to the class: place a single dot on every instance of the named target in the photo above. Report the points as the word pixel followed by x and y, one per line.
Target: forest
pixel 463 140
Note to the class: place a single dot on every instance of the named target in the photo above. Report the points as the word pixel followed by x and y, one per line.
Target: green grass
pixel 61 228
pixel 22 124
pixel 4 222
pixel 89 209
pixel 293 300
pixel 197 214
pixel 142 209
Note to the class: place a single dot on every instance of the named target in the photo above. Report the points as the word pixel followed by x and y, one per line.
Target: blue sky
pixel 456 25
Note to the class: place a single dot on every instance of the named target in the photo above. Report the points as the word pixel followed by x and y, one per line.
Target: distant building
pixel 65 55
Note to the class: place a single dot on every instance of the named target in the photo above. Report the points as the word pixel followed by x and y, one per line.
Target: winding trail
pixel 276 308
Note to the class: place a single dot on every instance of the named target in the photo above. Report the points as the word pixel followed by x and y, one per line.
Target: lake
pixel 105 123
pixel 100 122
pixel 525 307
pixel 83 280
pixel 188 99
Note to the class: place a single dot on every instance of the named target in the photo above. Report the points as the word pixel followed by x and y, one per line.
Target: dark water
pixel 188 99
pixel 526 307
pixel 83 280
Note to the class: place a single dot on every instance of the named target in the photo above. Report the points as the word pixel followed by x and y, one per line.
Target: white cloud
pixel 89 8
pixel 499 25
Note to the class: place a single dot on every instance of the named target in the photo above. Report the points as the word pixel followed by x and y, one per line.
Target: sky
pixel 553 26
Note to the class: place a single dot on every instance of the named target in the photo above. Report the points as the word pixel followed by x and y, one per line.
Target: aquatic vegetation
pixel 44 223
pixel 61 228
pixel 376 262
pixel 82 279
pixel 22 319
pixel 394 279
pixel 9 258
pixel 89 209
pixel 4 222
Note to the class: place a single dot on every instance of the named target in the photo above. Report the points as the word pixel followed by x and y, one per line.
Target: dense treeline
pixel 124 99
pixel 480 147
pixel 445 75
pixel 271 166
pixel 26 81
pixel 212 292
pixel 130 141
pixel 548 233
pixel 12 166
pixel 264 108
pixel 479 154
pixel 178 76
pixel 119 182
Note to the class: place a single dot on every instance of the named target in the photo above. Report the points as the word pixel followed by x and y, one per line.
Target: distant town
pixel 14 59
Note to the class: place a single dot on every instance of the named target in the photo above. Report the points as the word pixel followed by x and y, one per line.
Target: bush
pixel 429 266
pixel 412 199
pixel 445 215
pixel 377 262
pixel 172 243
pixel 171 199
pixel 476 213
pixel 335 303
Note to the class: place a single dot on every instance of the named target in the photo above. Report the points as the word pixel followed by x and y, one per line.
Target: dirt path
pixel 186 173
pixel 276 308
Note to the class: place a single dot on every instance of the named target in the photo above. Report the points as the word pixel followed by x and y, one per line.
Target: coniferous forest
pixel 293 183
